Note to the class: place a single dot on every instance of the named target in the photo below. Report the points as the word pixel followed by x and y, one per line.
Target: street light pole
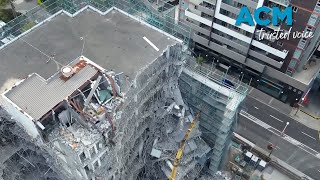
pixel 282 132
pixel 271 146
pixel 298 108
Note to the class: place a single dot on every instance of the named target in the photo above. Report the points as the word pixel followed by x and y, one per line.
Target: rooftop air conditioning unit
pixel 67 71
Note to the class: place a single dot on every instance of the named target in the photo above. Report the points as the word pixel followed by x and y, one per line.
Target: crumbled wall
pixel 20 158
pixel 155 87
pixel 139 124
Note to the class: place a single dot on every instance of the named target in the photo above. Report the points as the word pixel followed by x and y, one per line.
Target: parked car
pixel 3 38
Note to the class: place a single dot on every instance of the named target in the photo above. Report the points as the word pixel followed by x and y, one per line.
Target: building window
pixel 289 72
pixel 313 19
pixel 302 43
pixel 293 64
pixel 279 43
pixel 317 8
pixel 195 7
pixel 297 54
pixel 308 29
pixel 82 157
pixel 239 5
pixel 96 165
pixel 86 168
pixel 294 8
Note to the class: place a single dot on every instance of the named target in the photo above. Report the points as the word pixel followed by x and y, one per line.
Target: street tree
pixel 4 3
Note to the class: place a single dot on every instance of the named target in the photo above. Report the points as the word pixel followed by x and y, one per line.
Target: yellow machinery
pixel 180 150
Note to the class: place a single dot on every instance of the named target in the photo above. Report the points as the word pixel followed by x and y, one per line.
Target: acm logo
pixel 245 16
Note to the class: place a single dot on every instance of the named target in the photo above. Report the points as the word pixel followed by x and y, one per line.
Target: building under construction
pixel 121 106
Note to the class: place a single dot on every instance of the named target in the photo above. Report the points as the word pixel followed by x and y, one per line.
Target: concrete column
pixel 168 52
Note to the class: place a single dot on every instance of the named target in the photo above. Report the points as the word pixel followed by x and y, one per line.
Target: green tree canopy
pixel 7 14
pixel 3 3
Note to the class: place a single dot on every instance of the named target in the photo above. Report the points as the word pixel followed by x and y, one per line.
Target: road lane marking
pixel 270 101
pixel 286 137
pixel 308 135
pixel 256 107
pixel 276 118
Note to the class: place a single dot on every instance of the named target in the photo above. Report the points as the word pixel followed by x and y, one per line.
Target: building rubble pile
pixel 164 148
pixel 107 129
pixel 85 128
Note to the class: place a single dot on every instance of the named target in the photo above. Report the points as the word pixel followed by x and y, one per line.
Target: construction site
pixel 116 95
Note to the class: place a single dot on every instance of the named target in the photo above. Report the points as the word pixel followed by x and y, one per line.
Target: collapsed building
pixel 90 122
pixel 115 122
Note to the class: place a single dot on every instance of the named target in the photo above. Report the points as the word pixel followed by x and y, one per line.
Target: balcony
pixel 275 28
pixel 261 45
pixel 285 3
pixel 264 34
pixel 206 8
pixel 262 56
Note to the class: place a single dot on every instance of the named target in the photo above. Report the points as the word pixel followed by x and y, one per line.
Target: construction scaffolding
pixel 160 15
pixel 138 123
pixel 205 90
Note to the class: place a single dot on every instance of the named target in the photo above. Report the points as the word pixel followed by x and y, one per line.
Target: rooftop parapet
pixel 161 18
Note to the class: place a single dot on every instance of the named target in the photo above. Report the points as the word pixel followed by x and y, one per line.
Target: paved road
pixel 287 150
pixel 278 120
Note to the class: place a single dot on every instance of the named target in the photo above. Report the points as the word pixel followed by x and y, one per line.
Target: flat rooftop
pixel 114 41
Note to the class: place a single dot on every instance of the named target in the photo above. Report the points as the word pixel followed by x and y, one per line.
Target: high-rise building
pixel 119 110
pixel 284 69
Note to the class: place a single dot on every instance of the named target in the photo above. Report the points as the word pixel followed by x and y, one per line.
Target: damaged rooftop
pixel 125 105
pixel 114 41
pixel 36 96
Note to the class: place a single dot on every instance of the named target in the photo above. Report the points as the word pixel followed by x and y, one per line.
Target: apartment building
pixel 283 69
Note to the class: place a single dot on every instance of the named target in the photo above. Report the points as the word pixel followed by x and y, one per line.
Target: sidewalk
pixel 305 119
pixel 274 103
pixel 309 119
pixel 271 173
pixel 303 116
pixel 281 167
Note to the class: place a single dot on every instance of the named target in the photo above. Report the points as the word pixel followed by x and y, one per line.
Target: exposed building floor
pixel 113 41
pixel 89 137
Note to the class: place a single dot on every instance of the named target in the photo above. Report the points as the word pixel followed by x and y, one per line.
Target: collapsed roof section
pixel 81 93
pixel 36 96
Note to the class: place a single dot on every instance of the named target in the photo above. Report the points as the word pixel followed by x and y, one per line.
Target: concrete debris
pixel 156 153
pixel 113 128
pixel 64 117
pixel 195 146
